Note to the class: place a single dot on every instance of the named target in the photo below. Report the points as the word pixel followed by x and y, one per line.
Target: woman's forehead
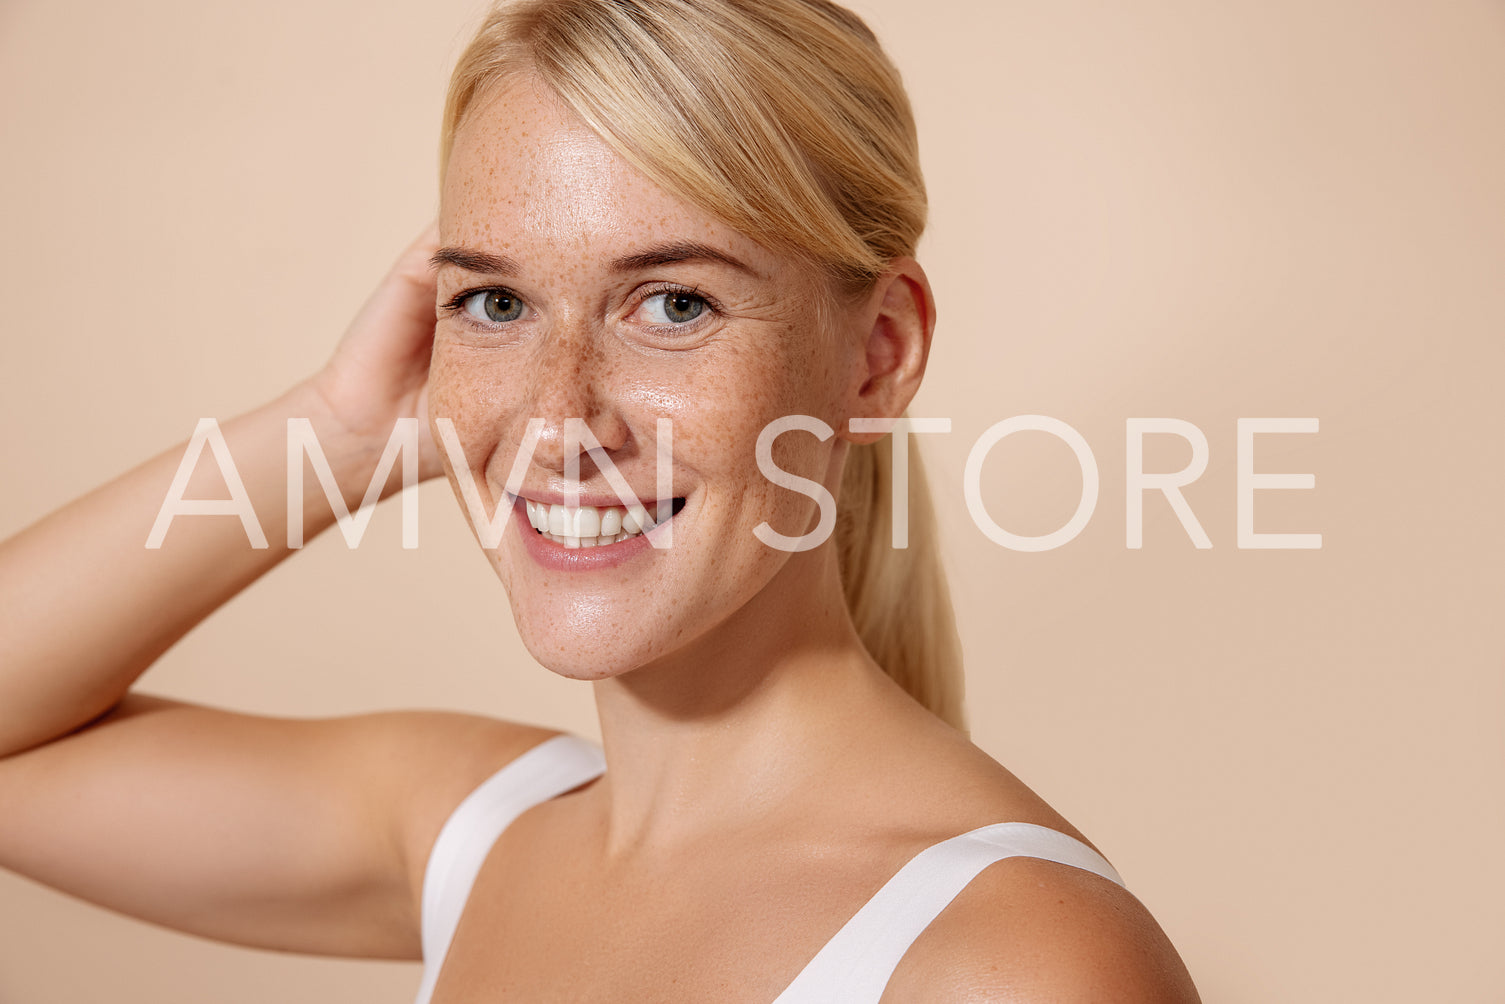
pixel 527 177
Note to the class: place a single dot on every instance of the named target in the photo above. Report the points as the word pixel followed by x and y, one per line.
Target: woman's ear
pixel 902 312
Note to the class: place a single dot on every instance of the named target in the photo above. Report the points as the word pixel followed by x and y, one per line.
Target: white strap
pixel 551 768
pixel 854 967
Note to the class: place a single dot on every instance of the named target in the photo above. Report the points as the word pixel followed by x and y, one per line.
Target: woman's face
pixel 571 287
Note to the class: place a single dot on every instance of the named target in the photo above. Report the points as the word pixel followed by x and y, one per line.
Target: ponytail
pixel 898 598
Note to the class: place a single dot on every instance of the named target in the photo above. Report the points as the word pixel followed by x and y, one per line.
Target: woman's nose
pixel 572 383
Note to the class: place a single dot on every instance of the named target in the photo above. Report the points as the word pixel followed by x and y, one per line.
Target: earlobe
pixel 901 309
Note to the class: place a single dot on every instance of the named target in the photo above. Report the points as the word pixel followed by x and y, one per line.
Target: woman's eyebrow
pixel 675 252
pixel 474 261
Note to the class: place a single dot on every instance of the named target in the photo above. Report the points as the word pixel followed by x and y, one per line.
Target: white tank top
pixel 852 968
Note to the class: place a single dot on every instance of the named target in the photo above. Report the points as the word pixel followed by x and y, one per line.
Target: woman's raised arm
pixel 304 835
pixel 87 606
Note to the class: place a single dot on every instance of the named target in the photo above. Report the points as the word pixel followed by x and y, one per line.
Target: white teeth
pixel 587 525
pixel 538 515
pixel 611 521
pixel 587 522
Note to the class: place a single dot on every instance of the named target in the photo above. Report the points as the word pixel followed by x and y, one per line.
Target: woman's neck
pixel 740 720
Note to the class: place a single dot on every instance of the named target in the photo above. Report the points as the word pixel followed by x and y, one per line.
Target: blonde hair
pixel 785 120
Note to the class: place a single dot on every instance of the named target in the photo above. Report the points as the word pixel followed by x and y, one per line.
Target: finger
pixel 415 265
pixel 419 254
pixel 401 308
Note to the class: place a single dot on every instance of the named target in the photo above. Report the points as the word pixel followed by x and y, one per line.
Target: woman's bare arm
pixel 301 835
pixel 306 835
pixel 86 606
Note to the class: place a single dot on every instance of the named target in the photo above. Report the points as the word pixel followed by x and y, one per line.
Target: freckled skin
pixel 529 181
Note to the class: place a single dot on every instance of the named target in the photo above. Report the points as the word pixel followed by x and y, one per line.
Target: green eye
pixel 674 307
pixel 494 306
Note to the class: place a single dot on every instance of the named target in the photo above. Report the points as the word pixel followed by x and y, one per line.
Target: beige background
pixel 1185 209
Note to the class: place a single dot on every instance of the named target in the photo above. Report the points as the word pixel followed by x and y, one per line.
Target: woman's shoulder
pixel 432 760
pixel 1027 930
pixel 448 752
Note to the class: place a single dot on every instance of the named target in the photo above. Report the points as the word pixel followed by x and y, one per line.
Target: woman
pixel 666 228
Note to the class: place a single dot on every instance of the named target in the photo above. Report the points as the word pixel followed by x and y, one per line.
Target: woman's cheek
pixel 465 394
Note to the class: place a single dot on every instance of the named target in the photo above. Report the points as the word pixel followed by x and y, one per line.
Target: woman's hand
pixel 379 370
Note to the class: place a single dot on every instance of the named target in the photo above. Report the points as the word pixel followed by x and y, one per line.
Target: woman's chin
pixel 577 666
pixel 582 655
